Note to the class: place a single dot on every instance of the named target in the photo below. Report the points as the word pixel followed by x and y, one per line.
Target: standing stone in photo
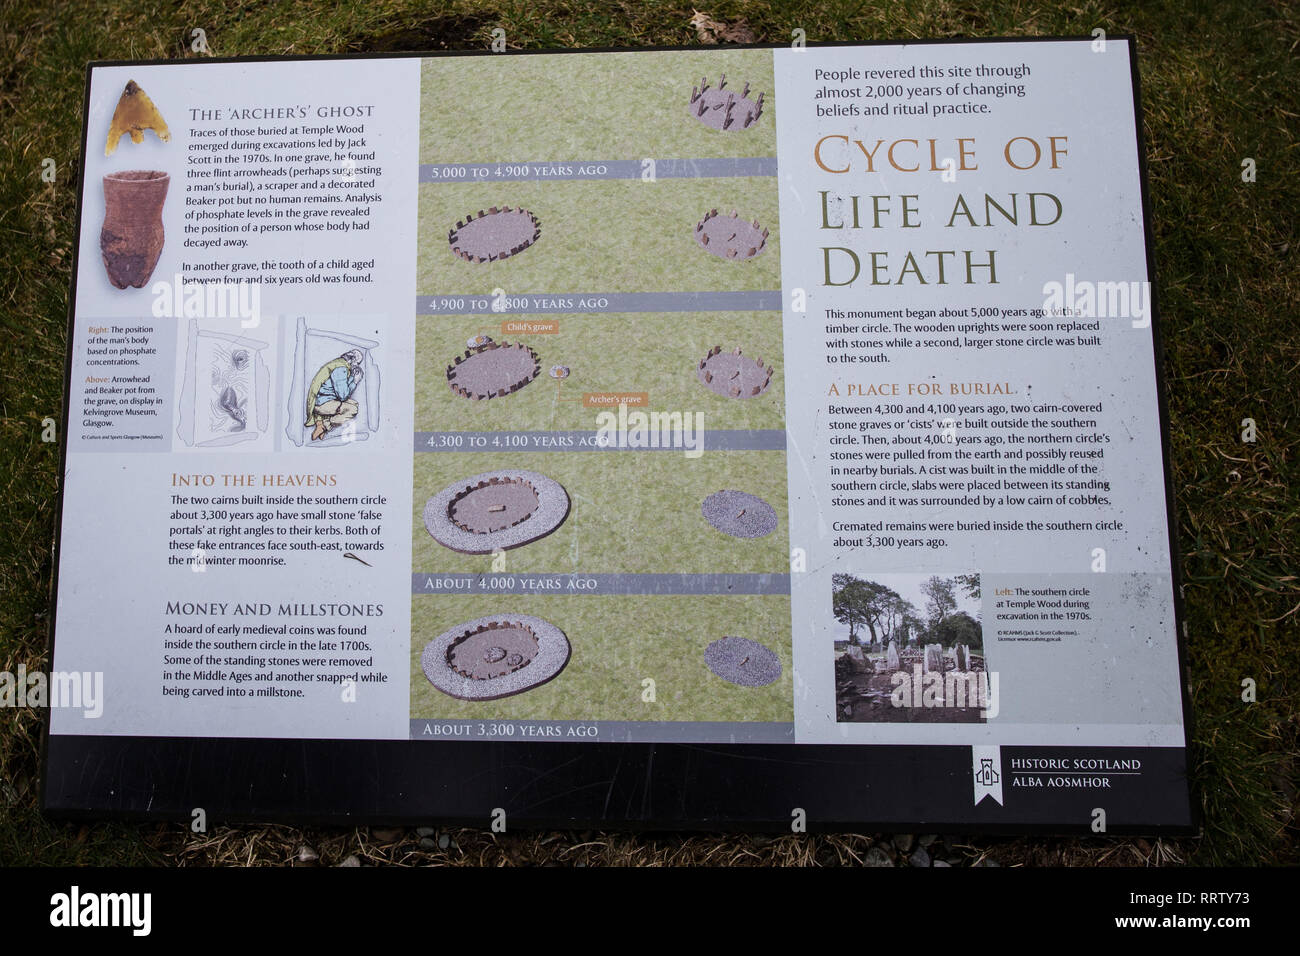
pixel 891 656
pixel 933 658
pixel 962 657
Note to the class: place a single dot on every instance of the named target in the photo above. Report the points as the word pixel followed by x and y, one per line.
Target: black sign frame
pixel 634 786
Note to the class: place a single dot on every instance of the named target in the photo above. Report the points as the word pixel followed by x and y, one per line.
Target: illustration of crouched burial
pixel 329 397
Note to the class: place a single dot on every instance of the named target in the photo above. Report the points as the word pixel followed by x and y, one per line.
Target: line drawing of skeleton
pixel 229 375
pixel 224 395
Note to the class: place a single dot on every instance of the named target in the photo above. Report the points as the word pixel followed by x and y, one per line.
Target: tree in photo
pixel 960 628
pixel 940 599
pixel 913 626
pixel 848 604
pixel 867 605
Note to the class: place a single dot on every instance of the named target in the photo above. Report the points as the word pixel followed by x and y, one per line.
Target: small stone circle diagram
pixel 495 234
pixel 725 109
pixel 733 374
pixel 495 656
pixel 496 510
pixel 493 370
pixel 743 662
pixel 739 514
pixel 729 236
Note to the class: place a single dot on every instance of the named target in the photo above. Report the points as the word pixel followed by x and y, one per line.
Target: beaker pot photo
pixel 131 239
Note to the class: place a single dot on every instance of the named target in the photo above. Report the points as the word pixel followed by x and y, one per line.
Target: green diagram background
pixel 618 235
pixel 630 512
pixel 618 641
pixel 651 352
pixel 586 106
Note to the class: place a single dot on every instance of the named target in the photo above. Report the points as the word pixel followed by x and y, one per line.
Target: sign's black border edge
pixel 1162 404
pixel 59 498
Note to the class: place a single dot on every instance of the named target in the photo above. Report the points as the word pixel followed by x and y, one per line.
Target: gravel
pixel 495 234
pixel 710 107
pixel 552 655
pixel 492 371
pixel 552 509
pixel 739 514
pixel 730 237
pixel 733 374
pixel 741 661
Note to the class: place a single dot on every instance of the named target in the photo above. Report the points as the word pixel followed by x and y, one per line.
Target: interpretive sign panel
pixel 679 438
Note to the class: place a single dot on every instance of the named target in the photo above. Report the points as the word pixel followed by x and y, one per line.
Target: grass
pixel 611 236
pixel 629 513
pixel 1218 86
pixel 656 639
pixel 652 353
